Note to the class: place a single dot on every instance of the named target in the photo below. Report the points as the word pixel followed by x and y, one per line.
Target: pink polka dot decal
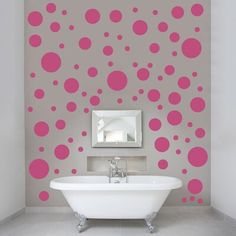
pixel 35 18
pixel 71 85
pixel 140 27
pixel 44 196
pixel 51 62
pixel 85 43
pixel 51 7
pixel 41 129
pixel 195 186
pixel 61 152
pixel 115 16
pixel 177 12
pixel 162 144
pixel 197 156
pixel 163 164
pixel 191 48
pixel 197 9
pixel 155 124
pixel 133 55
pixel 35 40
pixel 117 80
pixel 197 104
pixel 92 16
pixel 154 95
pixel 174 117
pixel 38 169
pixel 143 74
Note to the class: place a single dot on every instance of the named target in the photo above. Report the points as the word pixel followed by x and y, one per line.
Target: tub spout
pixel 149 221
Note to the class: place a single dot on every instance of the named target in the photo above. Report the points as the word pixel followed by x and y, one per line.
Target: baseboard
pixel 224 217
pixel 13 216
pixel 48 210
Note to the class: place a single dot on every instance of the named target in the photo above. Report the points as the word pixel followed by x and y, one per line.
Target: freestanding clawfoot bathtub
pixel 94 197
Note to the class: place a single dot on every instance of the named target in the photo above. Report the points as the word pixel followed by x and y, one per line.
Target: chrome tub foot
pixel 82 222
pixel 149 221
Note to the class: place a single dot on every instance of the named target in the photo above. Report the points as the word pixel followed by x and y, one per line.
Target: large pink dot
pixel 71 85
pixel 94 100
pixel 38 168
pixel 197 9
pixel 197 104
pixel 154 48
pixel 163 164
pixel 140 27
pixel 191 48
pixel 60 124
pixel 177 12
pixel 200 132
pixel 155 124
pixel 51 62
pixel 35 40
pixel 71 106
pixel 162 144
pixel 143 74
pixel 44 196
pixel 41 129
pixel 51 7
pixel 39 93
pixel 117 80
pixel 184 82
pixel 115 16
pixel 195 186
pixel 197 156
pixel 174 98
pixel 92 16
pixel 61 152
pixel 154 95
pixel 35 18
pixel 85 43
pixel 174 117
pixel 107 50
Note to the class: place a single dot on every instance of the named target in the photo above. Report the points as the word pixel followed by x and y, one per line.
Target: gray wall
pixel 42 163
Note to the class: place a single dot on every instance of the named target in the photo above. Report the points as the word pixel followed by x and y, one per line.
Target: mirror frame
pixel 97 114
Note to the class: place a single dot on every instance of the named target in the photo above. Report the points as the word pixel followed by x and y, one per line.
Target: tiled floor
pixel 170 222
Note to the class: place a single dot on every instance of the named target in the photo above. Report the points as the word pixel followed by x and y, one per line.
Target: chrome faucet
pixel 115 172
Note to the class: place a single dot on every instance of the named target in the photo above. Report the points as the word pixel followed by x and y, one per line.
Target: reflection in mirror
pixel 116 128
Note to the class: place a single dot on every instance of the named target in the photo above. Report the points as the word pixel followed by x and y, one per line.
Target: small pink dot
pixel 127 48
pixel 135 64
pixel 39 93
pixel 184 171
pixel 178 151
pixel 174 37
pixel 84 133
pixel 163 27
pixel 134 98
pixel 119 100
pixel 55 82
pixel 135 9
pixel 43 196
pixel 190 124
pixel 73 171
pixel 56 171
pixel 174 54
pixel 80 149
pixel 110 63
pixel 119 37
pixel 32 75
pixel 187 140
pixel 176 137
pixel 84 94
pixel 64 12
pixel 200 88
pixel 53 108
pixel 51 7
pixel 184 200
pixel 71 106
pixel 160 107
pixel 192 199
pixel 30 109
pixel 197 29
pixel 61 45
pixel 160 78
pixel 150 65
pixel 41 149
pixel 70 140
pixel 55 27
pixel 99 91
pixel 154 12
pixel 86 110
pixel 71 27
pixel 200 201
pixel 141 91
pixel 108 50
pixel 76 66
pixel 106 34
pixel 194 74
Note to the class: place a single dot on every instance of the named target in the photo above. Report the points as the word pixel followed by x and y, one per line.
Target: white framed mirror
pixel 117 128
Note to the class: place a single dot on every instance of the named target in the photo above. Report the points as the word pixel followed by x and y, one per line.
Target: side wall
pixel 223 178
pixel 12 156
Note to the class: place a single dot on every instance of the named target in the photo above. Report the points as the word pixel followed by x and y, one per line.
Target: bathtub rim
pixel 57 184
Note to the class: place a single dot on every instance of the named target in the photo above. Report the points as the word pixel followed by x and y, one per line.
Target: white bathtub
pixel 95 197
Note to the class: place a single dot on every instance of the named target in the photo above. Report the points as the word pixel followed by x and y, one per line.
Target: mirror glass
pixel 116 128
